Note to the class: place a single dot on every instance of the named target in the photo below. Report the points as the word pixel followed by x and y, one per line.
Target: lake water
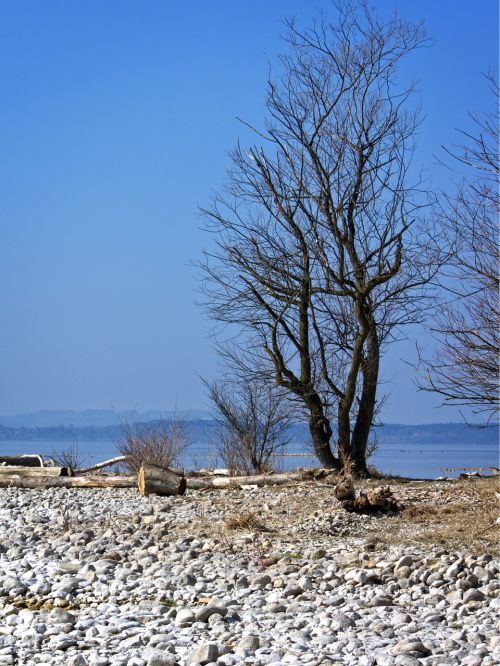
pixel 424 461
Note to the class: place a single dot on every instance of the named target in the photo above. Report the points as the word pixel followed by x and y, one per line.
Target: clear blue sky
pixel 116 119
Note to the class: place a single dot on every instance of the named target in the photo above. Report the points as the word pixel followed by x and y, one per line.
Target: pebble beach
pixel 262 576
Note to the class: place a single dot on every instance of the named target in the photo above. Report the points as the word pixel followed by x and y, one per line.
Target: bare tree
pixel 465 368
pixel 254 417
pixel 318 252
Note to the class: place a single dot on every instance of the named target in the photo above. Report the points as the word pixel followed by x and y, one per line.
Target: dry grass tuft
pixel 246 520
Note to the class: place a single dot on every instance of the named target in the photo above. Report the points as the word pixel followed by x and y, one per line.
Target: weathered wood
pixel 344 490
pixel 25 460
pixel 153 479
pixel 101 465
pixel 376 500
pixel 116 461
pixel 8 470
pixel 40 481
pixel 258 480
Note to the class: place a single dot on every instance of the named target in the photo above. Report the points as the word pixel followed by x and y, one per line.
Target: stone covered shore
pixel 247 576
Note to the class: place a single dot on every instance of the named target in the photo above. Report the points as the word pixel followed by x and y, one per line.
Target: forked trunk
pixel 366 410
pixel 321 433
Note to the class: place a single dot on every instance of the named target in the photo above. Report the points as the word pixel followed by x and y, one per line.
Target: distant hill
pixel 107 426
pixel 99 418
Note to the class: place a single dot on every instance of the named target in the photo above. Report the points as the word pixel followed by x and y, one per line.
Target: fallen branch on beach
pixel 151 479
pixel 106 463
pixel 51 481
pixel 258 480
pixel 36 472
pixel 116 461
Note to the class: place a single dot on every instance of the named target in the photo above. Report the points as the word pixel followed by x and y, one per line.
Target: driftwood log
pixel 258 480
pixel 9 470
pixel 43 481
pixel 375 500
pixel 153 479
pixel 22 461
pixel 115 461
pixel 105 463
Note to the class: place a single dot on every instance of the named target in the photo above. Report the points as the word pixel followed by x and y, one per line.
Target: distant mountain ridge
pixel 107 425
pixel 99 418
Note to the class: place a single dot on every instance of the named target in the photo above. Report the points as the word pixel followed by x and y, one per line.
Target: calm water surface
pixel 425 461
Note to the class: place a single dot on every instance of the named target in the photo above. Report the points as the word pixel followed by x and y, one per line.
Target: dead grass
pixel 462 514
pixel 246 520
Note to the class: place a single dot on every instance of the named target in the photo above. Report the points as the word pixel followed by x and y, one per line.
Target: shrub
pixel 69 457
pixel 157 444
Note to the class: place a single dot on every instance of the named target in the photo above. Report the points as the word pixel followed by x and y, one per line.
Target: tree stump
pixel 153 479
pixel 344 490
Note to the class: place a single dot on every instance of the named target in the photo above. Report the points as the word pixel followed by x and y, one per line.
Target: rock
pixel 158 658
pixel 203 654
pixel 249 642
pixel 412 648
pixel 131 642
pixel 184 617
pixel 473 595
pixel 342 622
pixel 60 616
pixel 76 660
pixel 260 581
pixel 204 613
pixel 405 561
pixel 381 600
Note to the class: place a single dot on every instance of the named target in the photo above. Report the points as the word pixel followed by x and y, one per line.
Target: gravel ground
pixel 256 576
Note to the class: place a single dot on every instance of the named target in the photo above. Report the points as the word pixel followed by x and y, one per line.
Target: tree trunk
pixel 344 433
pixel 366 408
pixel 41 481
pixel 153 479
pixel 22 461
pixel 34 471
pixel 344 443
pixel 321 433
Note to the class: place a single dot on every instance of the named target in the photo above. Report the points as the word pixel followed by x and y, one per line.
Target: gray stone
pixel 203 654
pixel 76 660
pixel 405 561
pixel 249 642
pixel 60 616
pixel 158 658
pixel 342 622
pixel 411 647
pixel 473 595
pixel 184 617
pixel 204 613
pixel 381 600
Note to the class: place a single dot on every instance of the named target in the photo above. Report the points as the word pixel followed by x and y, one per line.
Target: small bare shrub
pixel 254 418
pixel 70 457
pixel 156 444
